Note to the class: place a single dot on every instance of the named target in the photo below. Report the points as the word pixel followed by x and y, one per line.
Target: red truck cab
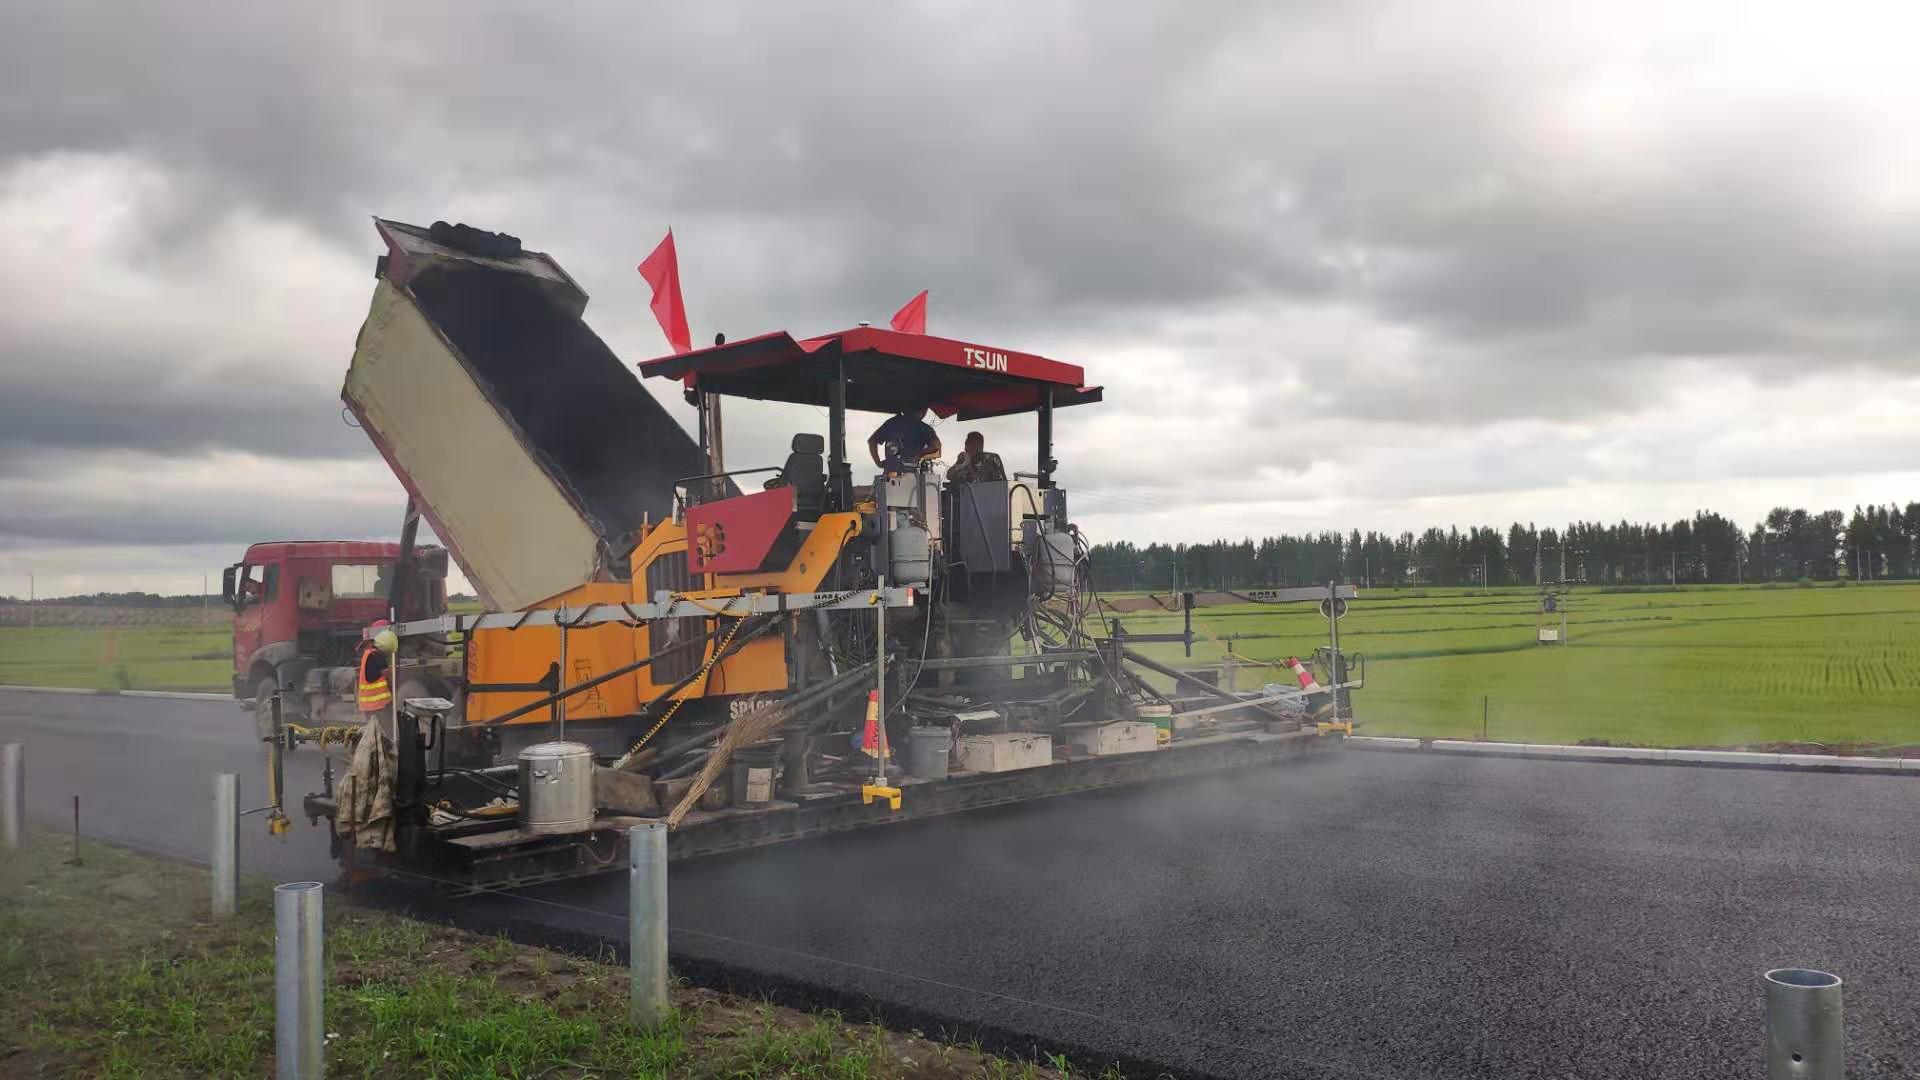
pixel 299 607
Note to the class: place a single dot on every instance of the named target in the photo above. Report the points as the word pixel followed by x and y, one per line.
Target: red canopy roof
pixel 887 371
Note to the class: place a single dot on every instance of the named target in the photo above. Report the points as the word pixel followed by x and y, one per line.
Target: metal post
pixel 1335 667
pixel 1045 468
pixel 839 473
pixel 1806 1027
pixel 647 924
pixel 13 793
pixel 560 706
pixel 226 843
pixel 880 684
pixel 299 981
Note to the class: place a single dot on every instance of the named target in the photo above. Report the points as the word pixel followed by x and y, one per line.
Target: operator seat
pixel 806 473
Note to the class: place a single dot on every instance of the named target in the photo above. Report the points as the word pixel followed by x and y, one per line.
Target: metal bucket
pixel 929 750
pixel 556 788
pixel 754 769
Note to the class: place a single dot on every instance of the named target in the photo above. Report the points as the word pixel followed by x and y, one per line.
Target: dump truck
pixel 752 654
pixel 299 608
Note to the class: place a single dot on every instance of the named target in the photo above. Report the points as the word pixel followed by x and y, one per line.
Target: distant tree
pixel 1788 544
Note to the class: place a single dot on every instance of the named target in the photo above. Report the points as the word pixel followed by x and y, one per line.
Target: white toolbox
pixel 1004 752
pixel 1119 737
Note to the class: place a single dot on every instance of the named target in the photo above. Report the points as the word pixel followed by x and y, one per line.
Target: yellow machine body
pixel 658 563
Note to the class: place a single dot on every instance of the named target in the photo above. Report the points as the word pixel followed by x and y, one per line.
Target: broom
pixel 746 730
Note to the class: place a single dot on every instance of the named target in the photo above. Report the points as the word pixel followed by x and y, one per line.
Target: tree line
pixel 1708 548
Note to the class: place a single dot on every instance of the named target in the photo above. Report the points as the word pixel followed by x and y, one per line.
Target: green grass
pixel 111 969
pixel 117 658
pixel 1707 666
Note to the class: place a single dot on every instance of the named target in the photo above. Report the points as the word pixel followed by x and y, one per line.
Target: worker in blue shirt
pixel 907 439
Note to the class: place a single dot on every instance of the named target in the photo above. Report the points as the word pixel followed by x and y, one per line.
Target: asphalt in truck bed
pixel 1368 915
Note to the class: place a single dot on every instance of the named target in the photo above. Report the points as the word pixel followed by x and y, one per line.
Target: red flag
pixel 912 318
pixel 662 271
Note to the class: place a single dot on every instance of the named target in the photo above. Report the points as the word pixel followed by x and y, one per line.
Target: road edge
pixel 176 695
pixel 1643 755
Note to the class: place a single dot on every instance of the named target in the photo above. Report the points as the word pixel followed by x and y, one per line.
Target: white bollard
pixel 1806 1027
pixel 13 793
pixel 226 843
pixel 299 981
pixel 647 923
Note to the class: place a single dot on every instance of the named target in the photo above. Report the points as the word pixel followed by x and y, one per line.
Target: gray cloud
pixel 65 401
pixel 1302 215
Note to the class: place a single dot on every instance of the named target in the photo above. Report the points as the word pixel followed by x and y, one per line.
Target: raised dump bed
pixel 532 450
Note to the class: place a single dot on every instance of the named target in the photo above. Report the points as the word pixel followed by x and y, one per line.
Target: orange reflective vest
pixel 376 692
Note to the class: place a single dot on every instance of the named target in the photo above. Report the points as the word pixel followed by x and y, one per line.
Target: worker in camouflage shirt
pixel 976 463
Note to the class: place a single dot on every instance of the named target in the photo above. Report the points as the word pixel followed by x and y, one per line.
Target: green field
pixel 1705 666
pixel 117 657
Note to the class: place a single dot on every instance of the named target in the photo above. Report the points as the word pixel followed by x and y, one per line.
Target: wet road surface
pixel 1374 915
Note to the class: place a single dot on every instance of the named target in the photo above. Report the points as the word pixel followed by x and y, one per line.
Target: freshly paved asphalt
pixel 1375 915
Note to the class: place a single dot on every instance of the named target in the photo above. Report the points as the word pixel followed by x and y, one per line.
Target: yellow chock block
pixel 870 792
pixel 1333 727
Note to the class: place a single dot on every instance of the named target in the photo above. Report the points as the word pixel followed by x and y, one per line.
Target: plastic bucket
pixel 929 749
pixel 1161 717
pixel 754 770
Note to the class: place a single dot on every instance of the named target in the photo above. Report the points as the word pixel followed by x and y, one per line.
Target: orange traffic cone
pixel 870 736
pixel 1318 700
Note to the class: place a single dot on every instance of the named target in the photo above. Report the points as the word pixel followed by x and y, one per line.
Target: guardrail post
pixel 647 923
pixel 226 843
pixel 13 793
pixel 299 981
pixel 1806 1026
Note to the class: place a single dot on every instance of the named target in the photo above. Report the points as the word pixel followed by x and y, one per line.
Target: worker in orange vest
pixel 376 666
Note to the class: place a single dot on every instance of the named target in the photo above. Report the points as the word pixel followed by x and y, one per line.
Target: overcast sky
pixel 1372 265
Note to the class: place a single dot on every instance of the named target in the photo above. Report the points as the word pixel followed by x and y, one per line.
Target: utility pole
pixel 29 599
pixel 1483 572
pixel 1672 574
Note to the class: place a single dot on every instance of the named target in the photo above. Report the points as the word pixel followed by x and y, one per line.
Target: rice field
pixel 1706 666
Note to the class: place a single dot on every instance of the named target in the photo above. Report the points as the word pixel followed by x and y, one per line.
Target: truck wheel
pixel 264 688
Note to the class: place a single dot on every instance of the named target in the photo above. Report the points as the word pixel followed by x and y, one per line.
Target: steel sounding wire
pixel 673 709
pixel 720 653
pixel 1084 557
pixel 171 851
pixel 871 969
pixel 926 641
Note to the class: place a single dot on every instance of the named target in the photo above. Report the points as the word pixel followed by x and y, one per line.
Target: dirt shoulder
pixel 112 967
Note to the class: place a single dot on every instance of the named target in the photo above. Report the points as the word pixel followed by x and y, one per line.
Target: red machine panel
pixel 735 536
